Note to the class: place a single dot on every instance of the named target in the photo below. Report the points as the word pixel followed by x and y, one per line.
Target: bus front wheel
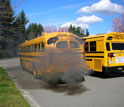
pixel 35 73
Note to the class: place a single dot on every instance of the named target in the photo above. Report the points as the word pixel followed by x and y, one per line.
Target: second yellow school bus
pixel 105 52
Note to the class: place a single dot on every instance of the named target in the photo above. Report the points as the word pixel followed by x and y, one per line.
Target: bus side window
pixel 35 47
pixel 107 47
pixel 86 46
pixel 32 49
pixel 42 47
pixel 93 46
pixel 24 49
pixel 39 47
pixel 27 48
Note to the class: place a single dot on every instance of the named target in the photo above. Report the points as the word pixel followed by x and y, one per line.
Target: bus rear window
pixel 117 46
pixel 62 44
pixel 107 47
pixel 74 44
pixel 52 40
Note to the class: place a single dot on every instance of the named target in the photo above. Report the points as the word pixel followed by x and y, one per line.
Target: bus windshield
pixel 74 44
pixel 62 44
pixel 117 46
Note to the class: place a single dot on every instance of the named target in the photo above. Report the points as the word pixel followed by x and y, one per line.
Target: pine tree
pixel 19 24
pixel 87 32
pixel 34 30
pixel 6 29
pixel 76 30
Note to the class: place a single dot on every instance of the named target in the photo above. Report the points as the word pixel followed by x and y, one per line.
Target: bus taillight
pixel 111 54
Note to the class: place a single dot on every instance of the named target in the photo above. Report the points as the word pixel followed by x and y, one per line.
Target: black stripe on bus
pixel 88 59
pixel 96 52
pixel 95 56
pixel 30 56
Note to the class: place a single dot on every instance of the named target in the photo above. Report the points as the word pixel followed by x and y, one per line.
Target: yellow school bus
pixel 105 52
pixel 47 56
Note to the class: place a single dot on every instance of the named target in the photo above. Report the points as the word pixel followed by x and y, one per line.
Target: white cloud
pixel 83 21
pixel 89 19
pixel 82 25
pixel 103 7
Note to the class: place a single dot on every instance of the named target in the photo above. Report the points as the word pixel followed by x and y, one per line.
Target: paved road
pixel 96 91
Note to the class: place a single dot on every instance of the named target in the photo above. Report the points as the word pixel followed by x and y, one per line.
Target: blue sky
pixel 96 15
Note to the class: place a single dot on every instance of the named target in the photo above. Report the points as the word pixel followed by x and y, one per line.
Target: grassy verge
pixel 9 94
pixel 8 58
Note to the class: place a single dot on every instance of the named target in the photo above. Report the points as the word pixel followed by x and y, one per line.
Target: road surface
pixel 96 91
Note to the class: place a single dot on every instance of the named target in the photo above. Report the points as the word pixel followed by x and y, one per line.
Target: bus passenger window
pixel 24 49
pixel 93 46
pixel 32 48
pixel 27 48
pixel 62 44
pixel 35 47
pixel 86 46
pixel 107 46
pixel 39 47
pixel 117 46
pixel 42 47
pixel 74 44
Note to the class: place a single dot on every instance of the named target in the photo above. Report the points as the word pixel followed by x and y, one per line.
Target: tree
pixel 20 23
pixel 49 29
pixel 87 32
pixel 118 24
pixel 34 30
pixel 76 30
pixel 63 29
pixel 6 28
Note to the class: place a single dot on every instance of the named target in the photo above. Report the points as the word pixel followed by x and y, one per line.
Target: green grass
pixel 8 58
pixel 9 94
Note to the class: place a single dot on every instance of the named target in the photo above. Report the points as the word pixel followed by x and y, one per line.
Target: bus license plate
pixel 119 60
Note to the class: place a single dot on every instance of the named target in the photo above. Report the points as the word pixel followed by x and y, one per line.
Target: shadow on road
pixel 68 89
pixel 108 75
pixel 26 81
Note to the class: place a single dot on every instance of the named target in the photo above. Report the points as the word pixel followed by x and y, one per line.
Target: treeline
pixel 13 30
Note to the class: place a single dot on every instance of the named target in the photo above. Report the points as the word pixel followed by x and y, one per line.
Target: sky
pixel 94 15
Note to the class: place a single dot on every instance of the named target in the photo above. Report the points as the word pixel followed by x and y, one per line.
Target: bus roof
pixel 104 34
pixel 45 36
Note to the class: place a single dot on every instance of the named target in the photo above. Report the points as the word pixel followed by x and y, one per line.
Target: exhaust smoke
pixel 63 66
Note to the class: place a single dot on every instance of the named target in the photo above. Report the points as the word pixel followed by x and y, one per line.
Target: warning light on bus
pixel 111 54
